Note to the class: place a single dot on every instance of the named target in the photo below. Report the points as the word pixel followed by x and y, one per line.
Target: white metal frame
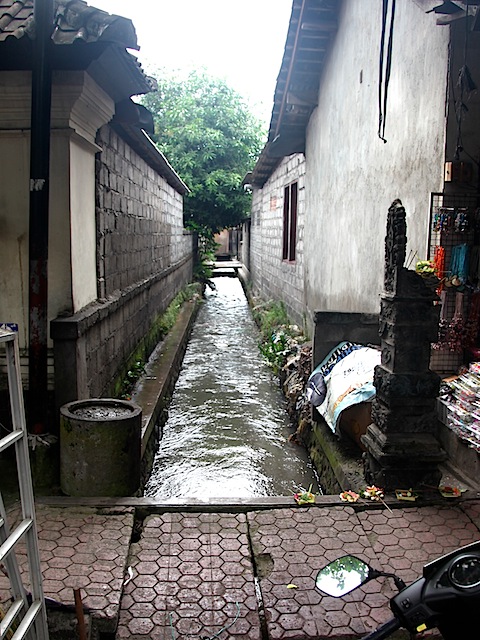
pixel 26 617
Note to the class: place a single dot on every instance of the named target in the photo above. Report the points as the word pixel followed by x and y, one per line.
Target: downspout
pixel 43 13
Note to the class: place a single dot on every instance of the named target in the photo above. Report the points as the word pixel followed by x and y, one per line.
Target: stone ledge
pixel 162 370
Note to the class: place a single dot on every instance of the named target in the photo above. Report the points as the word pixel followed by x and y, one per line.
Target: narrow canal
pixel 227 431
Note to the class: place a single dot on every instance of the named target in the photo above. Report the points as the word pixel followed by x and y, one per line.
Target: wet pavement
pixel 212 574
pixel 227 568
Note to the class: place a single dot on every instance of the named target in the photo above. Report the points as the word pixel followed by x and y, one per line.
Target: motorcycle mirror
pixel 343 575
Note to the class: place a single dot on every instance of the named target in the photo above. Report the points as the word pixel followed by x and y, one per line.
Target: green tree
pixel 212 140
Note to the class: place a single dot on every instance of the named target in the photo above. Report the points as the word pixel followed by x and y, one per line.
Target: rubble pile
pixel 293 380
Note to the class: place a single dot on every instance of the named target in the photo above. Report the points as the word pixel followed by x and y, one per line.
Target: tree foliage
pixel 212 140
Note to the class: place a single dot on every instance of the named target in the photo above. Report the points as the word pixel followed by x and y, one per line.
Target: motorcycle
pixel 446 596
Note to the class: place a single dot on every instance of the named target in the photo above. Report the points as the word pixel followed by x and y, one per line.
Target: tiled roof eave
pixel 311 30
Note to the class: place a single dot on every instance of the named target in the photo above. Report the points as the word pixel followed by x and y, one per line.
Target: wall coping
pixel 76 325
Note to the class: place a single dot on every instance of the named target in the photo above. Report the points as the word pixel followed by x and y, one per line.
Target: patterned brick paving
pixel 193 574
pixel 405 540
pixel 81 548
pixel 290 547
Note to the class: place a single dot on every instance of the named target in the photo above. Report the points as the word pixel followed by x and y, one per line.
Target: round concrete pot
pixel 100 441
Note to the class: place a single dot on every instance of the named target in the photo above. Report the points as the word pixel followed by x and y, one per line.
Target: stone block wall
pixel 92 345
pixel 272 277
pixel 144 258
pixel 139 217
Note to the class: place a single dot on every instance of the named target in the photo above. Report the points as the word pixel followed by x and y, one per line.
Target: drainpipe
pixel 38 220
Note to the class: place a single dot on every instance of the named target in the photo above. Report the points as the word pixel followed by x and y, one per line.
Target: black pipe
pixel 39 215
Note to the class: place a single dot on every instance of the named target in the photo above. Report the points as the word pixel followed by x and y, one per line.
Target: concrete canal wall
pixel 153 391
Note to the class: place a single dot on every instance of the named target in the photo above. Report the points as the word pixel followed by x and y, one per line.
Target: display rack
pixel 454 221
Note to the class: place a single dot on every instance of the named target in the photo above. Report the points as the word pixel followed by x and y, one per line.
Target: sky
pixel 239 41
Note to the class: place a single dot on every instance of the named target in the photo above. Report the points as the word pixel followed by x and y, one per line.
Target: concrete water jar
pixel 100 441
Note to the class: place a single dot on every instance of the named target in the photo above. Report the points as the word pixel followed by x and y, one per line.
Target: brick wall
pixel 272 277
pixel 144 258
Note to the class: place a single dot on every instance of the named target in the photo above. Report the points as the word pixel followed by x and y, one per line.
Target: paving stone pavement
pixel 237 575
pixel 294 545
pixel 193 576
pixel 80 548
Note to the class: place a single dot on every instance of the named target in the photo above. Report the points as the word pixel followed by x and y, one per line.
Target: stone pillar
pixel 402 449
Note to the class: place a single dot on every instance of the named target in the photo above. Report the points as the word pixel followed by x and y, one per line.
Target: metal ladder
pixel 27 616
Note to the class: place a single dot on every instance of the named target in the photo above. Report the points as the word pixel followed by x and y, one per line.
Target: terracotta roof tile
pixel 14 17
pixel 75 20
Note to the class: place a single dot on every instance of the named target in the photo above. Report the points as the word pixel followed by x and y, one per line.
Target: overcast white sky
pixel 241 41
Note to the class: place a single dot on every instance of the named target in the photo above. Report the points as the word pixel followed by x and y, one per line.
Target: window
pixel 290 221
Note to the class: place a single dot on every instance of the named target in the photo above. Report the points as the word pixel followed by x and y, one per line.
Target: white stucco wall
pixel 59 252
pixel 352 176
pixel 83 228
pixel 79 107
pixel 14 198
pixel 14 217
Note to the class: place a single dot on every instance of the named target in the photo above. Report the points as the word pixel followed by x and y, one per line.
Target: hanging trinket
pixel 461 221
pixel 442 220
pixel 441 342
pixel 472 324
pixel 439 266
pixel 455 335
pixel 459 265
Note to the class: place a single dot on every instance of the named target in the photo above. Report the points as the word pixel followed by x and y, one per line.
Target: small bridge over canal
pixel 228 268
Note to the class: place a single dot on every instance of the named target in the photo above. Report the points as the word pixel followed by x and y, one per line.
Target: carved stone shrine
pixel 402 448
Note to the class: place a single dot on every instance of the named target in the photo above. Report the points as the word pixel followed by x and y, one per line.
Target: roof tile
pixel 14 16
pixel 75 20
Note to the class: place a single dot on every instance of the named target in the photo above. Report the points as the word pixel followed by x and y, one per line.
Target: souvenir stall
pixel 455 260
pixel 460 401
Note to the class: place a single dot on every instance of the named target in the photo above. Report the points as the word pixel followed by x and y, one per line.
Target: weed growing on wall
pixel 269 316
pixel 133 374
pixel 169 318
pixel 279 338
pixel 135 367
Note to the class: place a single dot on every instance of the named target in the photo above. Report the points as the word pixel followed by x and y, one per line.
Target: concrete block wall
pixel 144 258
pixel 92 345
pixel 272 277
pixel 139 217
pixel 332 327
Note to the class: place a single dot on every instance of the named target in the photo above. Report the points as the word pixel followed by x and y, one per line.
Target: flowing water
pixel 227 429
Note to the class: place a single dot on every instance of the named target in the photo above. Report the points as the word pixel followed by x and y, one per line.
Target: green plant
pixel 169 317
pixel 274 350
pixel 203 269
pixel 135 365
pixel 207 132
pixel 136 370
pixel 279 338
pixel 269 316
